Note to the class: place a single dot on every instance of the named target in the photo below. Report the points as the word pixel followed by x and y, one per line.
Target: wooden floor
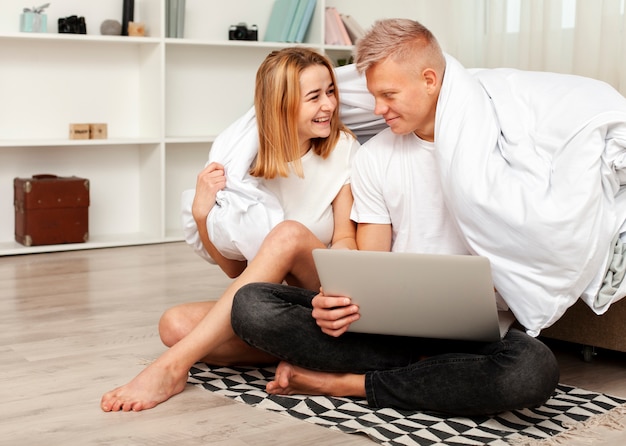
pixel 76 324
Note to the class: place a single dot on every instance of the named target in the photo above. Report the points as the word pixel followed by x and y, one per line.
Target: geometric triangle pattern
pixel 567 407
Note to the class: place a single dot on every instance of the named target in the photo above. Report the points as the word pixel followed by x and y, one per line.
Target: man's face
pixel 405 98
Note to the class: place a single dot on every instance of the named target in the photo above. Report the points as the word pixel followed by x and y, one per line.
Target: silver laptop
pixel 408 294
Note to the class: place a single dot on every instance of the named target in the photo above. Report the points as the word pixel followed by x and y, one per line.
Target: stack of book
pixel 289 20
pixel 175 18
pixel 341 29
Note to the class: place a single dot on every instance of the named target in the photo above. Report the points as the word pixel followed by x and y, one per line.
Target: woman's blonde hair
pixel 277 101
pixel 403 40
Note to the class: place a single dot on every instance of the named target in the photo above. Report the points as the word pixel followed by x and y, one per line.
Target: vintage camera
pixel 72 25
pixel 240 31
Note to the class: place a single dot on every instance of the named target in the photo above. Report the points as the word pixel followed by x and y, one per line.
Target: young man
pixel 399 206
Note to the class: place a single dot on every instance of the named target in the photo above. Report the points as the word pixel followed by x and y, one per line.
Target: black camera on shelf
pixel 72 25
pixel 240 31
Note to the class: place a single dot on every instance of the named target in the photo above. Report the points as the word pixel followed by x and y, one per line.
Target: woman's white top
pixel 309 199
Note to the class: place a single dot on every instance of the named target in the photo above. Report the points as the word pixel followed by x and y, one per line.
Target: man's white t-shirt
pixel 395 180
pixel 309 199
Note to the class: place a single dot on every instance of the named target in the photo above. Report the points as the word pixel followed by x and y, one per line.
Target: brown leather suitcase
pixel 51 210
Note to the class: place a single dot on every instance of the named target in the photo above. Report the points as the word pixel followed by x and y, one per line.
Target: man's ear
pixel 431 79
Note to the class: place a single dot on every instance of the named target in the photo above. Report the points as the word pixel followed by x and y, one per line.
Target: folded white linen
pixel 532 170
pixel 245 211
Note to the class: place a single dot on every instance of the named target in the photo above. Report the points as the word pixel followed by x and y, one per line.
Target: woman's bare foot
pixel 292 380
pixel 152 386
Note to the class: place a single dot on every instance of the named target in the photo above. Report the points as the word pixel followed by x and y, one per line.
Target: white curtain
pixel 584 37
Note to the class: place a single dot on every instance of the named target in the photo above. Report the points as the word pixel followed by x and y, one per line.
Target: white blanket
pixel 245 212
pixel 532 169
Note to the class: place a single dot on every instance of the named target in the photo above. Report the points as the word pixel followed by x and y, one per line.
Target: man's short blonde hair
pixel 403 40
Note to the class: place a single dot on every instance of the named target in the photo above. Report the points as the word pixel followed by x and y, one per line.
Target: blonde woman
pixel 304 159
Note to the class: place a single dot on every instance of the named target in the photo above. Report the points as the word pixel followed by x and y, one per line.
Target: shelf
pixel 14 248
pixel 231 43
pixel 339 47
pixel 76 142
pixel 80 38
pixel 164 101
pixel 190 139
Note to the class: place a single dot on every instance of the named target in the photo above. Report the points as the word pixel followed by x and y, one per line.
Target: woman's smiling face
pixel 318 103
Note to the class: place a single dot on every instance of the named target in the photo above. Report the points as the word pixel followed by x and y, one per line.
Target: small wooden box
pixel 51 210
pixel 98 131
pixel 79 131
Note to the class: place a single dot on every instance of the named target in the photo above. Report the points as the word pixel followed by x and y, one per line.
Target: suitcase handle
pixel 43 176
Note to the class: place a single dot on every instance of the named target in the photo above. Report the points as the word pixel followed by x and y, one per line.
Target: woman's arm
pixel 232 268
pixel 211 180
pixel 344 234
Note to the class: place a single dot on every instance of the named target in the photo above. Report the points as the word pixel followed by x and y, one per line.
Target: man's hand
pixel 210 180
pixel 334 314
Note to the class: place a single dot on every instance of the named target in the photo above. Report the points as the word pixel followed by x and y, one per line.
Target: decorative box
pixel 97 131
pixel 79 131
pixel 51 210
pixel 33 22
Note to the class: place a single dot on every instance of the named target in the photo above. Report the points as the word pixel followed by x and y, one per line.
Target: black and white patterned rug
pixel 569 410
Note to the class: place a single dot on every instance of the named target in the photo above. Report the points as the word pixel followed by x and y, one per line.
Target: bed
pixel 582 326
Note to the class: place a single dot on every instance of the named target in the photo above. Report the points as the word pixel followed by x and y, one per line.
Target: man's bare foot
pixel 151 387
pixel 292 380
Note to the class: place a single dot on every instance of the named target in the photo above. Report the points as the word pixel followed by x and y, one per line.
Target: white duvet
pixel 244 211
pixel 532 168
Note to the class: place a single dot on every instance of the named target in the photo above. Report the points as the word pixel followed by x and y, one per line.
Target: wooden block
pixel 79 131
pixel 136 29
pixel 97 131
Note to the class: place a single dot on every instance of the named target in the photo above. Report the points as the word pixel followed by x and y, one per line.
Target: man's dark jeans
pixel 453 377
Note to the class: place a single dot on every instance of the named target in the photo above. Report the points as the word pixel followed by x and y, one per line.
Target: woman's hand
pixel 334 314
pixel 210 180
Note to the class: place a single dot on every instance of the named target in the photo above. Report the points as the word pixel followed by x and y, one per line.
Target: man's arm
pixel 334 314
pixel 373 237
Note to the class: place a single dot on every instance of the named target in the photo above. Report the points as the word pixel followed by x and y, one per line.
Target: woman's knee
pixel 176 322
pixel 169 328
pixel 289 236
pixel 173 325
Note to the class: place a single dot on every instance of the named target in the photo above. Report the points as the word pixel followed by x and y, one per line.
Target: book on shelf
pixel 354 29
pixel 335 32
pixel 301 20
pixel 289 20
pixel 305 20
pixel 281 17
pixel 175 18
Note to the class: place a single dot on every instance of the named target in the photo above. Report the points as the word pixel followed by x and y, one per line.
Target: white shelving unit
pixel 164 100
